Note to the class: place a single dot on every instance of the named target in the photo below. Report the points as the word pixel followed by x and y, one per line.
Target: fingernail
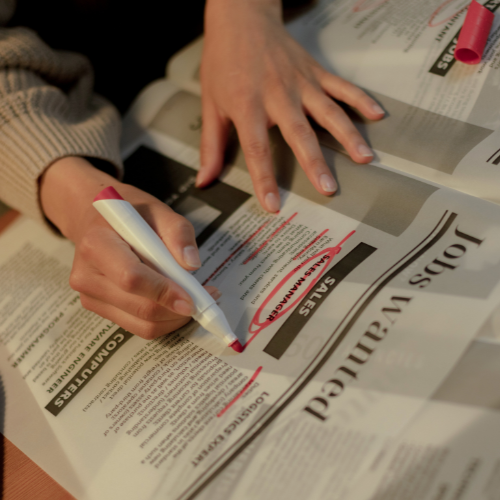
pixel 327 183
pixel 192 256
pixel 377 109
pixel 183 308
pixel 216 294
pixel 272 203
pixel 364 150
pixel 200 178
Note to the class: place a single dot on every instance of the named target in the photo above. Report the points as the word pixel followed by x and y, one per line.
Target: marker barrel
pixel 130 225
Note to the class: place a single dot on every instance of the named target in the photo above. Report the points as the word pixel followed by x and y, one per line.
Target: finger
pixel 176 232
pixel 254 140
pixel 214 133
pixel 97 286
pixel 146 329
pixel 103 250
pixel 94 284
pixel 350 94
pixel 301 138
pixel 213 291
pixel 334 119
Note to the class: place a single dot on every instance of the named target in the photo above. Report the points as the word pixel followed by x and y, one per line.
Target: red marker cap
pixel 474 34
pixel 109 193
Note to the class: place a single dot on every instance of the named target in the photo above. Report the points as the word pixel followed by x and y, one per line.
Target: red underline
pixel 345 239
pixel 311 244
pixel 237 250
pixel 247 385
pixel 269 239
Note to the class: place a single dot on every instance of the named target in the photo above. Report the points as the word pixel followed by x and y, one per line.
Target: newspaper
pixel 357 312
pixel 352 310
pixel 450 450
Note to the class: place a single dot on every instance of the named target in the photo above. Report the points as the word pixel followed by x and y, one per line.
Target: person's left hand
pixel 255 75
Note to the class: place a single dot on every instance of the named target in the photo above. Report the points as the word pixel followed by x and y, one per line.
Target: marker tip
pixel 236 346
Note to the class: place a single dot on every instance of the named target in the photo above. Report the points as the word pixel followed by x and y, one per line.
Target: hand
pixel 111 279
pixel 255 75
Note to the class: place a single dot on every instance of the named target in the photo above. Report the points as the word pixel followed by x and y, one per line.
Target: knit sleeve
pixel 47 111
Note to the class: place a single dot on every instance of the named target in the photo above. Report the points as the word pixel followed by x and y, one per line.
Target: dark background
pixel 128 44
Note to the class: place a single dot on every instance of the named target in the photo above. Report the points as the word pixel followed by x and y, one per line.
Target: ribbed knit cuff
pixel 37 130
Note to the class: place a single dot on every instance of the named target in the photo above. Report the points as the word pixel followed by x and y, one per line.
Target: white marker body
pixel 130 225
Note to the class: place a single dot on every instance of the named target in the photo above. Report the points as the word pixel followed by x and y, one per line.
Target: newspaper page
pixel 352 311
pixel 441 124
pixel 159 124
pixel 183 68
pixel 451 450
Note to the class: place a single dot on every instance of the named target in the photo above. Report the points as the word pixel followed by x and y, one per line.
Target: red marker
pixel 129 224
pixel 474 34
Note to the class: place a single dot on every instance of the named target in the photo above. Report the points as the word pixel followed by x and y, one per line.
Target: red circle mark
pixel 431 23
pixel 325 255
pixel 361 5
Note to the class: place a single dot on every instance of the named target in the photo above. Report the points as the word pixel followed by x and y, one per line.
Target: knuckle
pixel 256 150
pixel 179 225
pixel 332 113
pixel 352 136
pixel 76 281
pixel 301 130
pixel 130 279
pixel 148 310
pixel 316 164
pixel 248 101
pixel 149 331
pixel 86 247
pixel 238 87
pixel 245 114
pixel 183 225
pixel 164 295
pixel 276 84
pixel 263 178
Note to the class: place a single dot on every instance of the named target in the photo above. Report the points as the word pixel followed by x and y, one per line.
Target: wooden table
pixel 24 480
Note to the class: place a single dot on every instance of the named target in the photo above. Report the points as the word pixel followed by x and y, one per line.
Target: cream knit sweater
pixel 47 111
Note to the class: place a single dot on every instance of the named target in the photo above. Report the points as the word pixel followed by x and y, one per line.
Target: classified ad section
pixel 348 326
pixel 335 393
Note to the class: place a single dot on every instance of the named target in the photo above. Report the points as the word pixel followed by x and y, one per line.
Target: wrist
pixel 67 189
pixel 230 10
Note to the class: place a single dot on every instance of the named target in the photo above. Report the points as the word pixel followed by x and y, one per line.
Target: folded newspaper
pixel 362 375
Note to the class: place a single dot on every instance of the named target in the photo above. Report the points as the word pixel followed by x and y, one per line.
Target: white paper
pixel 151 408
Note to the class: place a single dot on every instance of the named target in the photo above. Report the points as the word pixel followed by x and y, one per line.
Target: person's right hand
pixel 110 277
